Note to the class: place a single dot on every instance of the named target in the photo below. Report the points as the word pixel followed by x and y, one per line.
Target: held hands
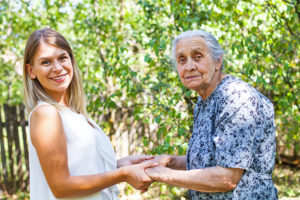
pixel 158 173
pixel 141 171
pixel 162 160
pixel 135 175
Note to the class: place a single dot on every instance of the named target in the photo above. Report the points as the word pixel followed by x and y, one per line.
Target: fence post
pixel 4 174
pixel 12 157
pixel 9 132
pixel 17 180
pixel 23 124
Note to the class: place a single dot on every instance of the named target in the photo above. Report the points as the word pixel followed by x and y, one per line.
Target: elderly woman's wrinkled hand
pixel 162 160
pixel 158 173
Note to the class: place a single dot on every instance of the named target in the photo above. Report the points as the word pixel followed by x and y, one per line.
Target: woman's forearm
pixel 76 186
pixel 72 186
pixel 214 179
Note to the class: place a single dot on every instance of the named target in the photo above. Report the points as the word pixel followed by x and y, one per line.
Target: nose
pixel 57 67
pixel 190 65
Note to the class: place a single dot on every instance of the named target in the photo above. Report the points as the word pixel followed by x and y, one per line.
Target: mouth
pixel 192 77
pixel 59 78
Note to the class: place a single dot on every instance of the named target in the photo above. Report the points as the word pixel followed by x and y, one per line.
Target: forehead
pixel 187 45
pixel 46 50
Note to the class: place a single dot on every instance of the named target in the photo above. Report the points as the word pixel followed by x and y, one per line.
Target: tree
pixel 123 50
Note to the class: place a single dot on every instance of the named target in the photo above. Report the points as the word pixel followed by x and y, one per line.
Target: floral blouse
pixel 234 128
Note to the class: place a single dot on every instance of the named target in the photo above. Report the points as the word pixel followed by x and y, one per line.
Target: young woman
pixel 69 156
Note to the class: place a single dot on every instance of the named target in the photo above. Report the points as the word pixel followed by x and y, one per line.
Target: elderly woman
pixel 231 152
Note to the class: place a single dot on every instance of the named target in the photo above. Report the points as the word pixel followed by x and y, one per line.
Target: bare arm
pixel 48 138
pixel 213 179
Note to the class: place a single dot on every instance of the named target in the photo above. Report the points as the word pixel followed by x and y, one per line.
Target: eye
pixel 181 59
pixel 198 56
pixel 63 58
pixel 46 62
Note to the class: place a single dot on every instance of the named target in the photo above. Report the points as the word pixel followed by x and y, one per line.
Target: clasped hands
pixel 143 170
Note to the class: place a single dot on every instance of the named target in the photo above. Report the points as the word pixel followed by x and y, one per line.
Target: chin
pixel 193 87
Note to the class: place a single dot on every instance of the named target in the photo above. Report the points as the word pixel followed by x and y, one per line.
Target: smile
pixel 192 77
pixel 60 78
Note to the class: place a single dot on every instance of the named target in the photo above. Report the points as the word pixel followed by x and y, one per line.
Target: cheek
pixel 42 72
pixel 69 68
pixel 201 67
pixel 71 73
pixel 204 68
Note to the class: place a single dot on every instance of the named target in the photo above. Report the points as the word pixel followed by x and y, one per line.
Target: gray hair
pixel 211 42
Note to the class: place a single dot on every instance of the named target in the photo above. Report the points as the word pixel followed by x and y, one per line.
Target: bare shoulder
pixel 44 111
pixel 45 125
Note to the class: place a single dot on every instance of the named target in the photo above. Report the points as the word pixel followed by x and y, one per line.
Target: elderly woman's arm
pixel 213 179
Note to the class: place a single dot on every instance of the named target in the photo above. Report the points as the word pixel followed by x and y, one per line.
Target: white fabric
pixel 89 152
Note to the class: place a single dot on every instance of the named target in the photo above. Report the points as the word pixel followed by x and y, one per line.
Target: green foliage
pixel 286 180
pixel 123 50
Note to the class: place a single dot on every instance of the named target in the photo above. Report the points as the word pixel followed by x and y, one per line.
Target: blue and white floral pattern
pixel 234 128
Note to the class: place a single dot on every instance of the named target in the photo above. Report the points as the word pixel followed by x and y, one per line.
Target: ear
pixel 219 63
pixel 30 71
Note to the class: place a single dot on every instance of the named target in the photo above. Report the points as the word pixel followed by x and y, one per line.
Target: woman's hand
pixel 162 160
pixel 131 160
pixel 171 161
pixel 158 173
pixel 135 175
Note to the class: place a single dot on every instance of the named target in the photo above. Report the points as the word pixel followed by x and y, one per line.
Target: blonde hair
pixel 33 91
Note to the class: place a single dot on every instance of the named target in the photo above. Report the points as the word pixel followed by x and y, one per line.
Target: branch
pixel 121 12
pixel 281 16
pixel 296 8
pixel 155 98
pixel 289 2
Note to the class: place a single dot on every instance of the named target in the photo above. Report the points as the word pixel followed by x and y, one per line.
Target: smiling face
pixel 196 68
pixel 52 67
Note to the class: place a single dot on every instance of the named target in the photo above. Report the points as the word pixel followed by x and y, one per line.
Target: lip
pixel 192 77
pixel 59 78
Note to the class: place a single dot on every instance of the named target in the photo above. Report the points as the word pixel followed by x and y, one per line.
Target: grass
pixel 286 179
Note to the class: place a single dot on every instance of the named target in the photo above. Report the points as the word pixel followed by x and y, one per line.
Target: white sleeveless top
pixel 89 152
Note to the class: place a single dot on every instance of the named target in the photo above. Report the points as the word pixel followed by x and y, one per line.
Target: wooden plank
pixel 23 124
pixel 17 150
pixel 9 131
pixel 4 175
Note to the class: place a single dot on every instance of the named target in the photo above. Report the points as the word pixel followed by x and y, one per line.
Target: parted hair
pixel 33 91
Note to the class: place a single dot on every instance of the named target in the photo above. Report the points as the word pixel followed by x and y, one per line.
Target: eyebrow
pixel 179 54
pixel 197 49
pixel 43 58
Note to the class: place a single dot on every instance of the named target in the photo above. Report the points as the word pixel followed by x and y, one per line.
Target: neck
pixel 205 92
pixel 60 98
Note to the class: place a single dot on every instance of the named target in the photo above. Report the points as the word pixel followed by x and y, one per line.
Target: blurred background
pixel 123 50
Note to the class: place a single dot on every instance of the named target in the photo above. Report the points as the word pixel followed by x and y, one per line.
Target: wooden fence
pixel 14 166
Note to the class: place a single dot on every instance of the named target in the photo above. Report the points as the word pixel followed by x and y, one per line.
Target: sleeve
pixel 236 125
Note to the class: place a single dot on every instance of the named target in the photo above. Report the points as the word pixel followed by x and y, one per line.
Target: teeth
pixel 59 78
